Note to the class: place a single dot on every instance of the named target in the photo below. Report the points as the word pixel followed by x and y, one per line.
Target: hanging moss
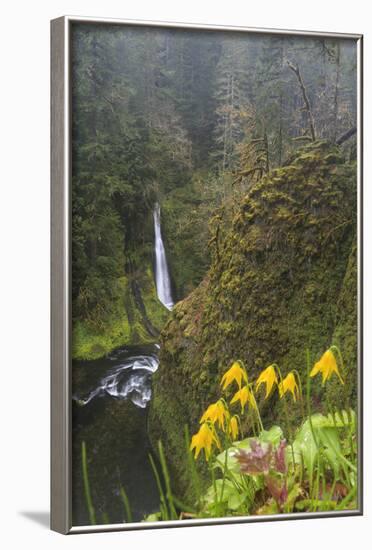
pixel 279 283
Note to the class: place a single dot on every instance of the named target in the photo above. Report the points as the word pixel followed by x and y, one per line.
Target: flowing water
pixel 109 413
pixel 128 378
pixel 163 283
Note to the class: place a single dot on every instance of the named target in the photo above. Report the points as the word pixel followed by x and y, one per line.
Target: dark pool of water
pixel 109 413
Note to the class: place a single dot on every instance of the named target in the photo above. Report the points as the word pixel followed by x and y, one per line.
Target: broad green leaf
pixel 304 448
pixel 231 496
pixel 340 419
pixel 236 500
pixel 273 436
pixel 244 444
pixel 329 437
pixel 231 464
pixel 269 508
pixel 228 490
pixel 156 516
pixel 327 431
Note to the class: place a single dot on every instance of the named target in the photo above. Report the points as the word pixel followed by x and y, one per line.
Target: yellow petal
pixel 235 373
pixel 327 365
pixel 315 369
pixel 233 427
pixel 268 377
pixel 289 384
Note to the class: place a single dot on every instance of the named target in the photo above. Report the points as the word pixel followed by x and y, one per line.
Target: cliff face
pixel 137 318
pixel 282 279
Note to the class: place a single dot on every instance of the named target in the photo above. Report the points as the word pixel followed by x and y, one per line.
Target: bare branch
pixel 296 70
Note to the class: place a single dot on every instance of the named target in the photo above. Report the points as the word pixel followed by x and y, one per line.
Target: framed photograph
pixel 206 274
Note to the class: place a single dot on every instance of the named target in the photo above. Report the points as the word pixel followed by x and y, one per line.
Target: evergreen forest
pixel 227 160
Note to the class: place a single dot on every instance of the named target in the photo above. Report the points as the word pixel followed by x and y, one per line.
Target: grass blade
pixel 88 498
pixel 163 507
pixel 169 495
pixel 128 512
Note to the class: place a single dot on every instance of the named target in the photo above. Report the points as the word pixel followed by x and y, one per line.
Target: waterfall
pixel 129 379
pixel 163 286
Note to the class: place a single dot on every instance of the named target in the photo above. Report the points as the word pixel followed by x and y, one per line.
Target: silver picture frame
pixel 61 446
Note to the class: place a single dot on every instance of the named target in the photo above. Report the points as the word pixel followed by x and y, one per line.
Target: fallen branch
pixel 347 135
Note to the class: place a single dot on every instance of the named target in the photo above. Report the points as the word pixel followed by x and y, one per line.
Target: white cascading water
pixel 130 379
pixel 162 279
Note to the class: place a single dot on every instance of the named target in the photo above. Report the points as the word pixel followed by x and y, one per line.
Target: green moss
pixel 276 287
pixel 185 214
pixel 128 324
pixel 89 344
pixel 344 336
pixel 155 311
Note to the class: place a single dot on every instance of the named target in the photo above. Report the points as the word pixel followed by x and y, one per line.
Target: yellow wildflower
pixel 216 412
pixel 268 377
pixel 204 439
pixel 289 384
pixel 233 428
pixel 327 365
pixel 235 372
pixel 244 395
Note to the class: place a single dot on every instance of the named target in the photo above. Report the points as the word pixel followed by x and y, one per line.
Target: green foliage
pixel 118 158
pixel 164 116
pixel 260 265
pixel 167 504
pixel 344 332
pixel 320 443
pixel 127 323
pixel 313 470
pixel 276 281
pixel 127 510
pixel 266 473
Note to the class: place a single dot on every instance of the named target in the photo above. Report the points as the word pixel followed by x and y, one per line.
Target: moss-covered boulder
pixel 282 280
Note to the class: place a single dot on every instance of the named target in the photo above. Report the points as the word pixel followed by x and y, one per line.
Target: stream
pixel 110 397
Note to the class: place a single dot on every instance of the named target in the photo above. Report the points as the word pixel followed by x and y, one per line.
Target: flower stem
pixel 224 472
pixel 308 403
pixel 193 470
pixel 257 413
pixel 301 392
pixel 289 431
